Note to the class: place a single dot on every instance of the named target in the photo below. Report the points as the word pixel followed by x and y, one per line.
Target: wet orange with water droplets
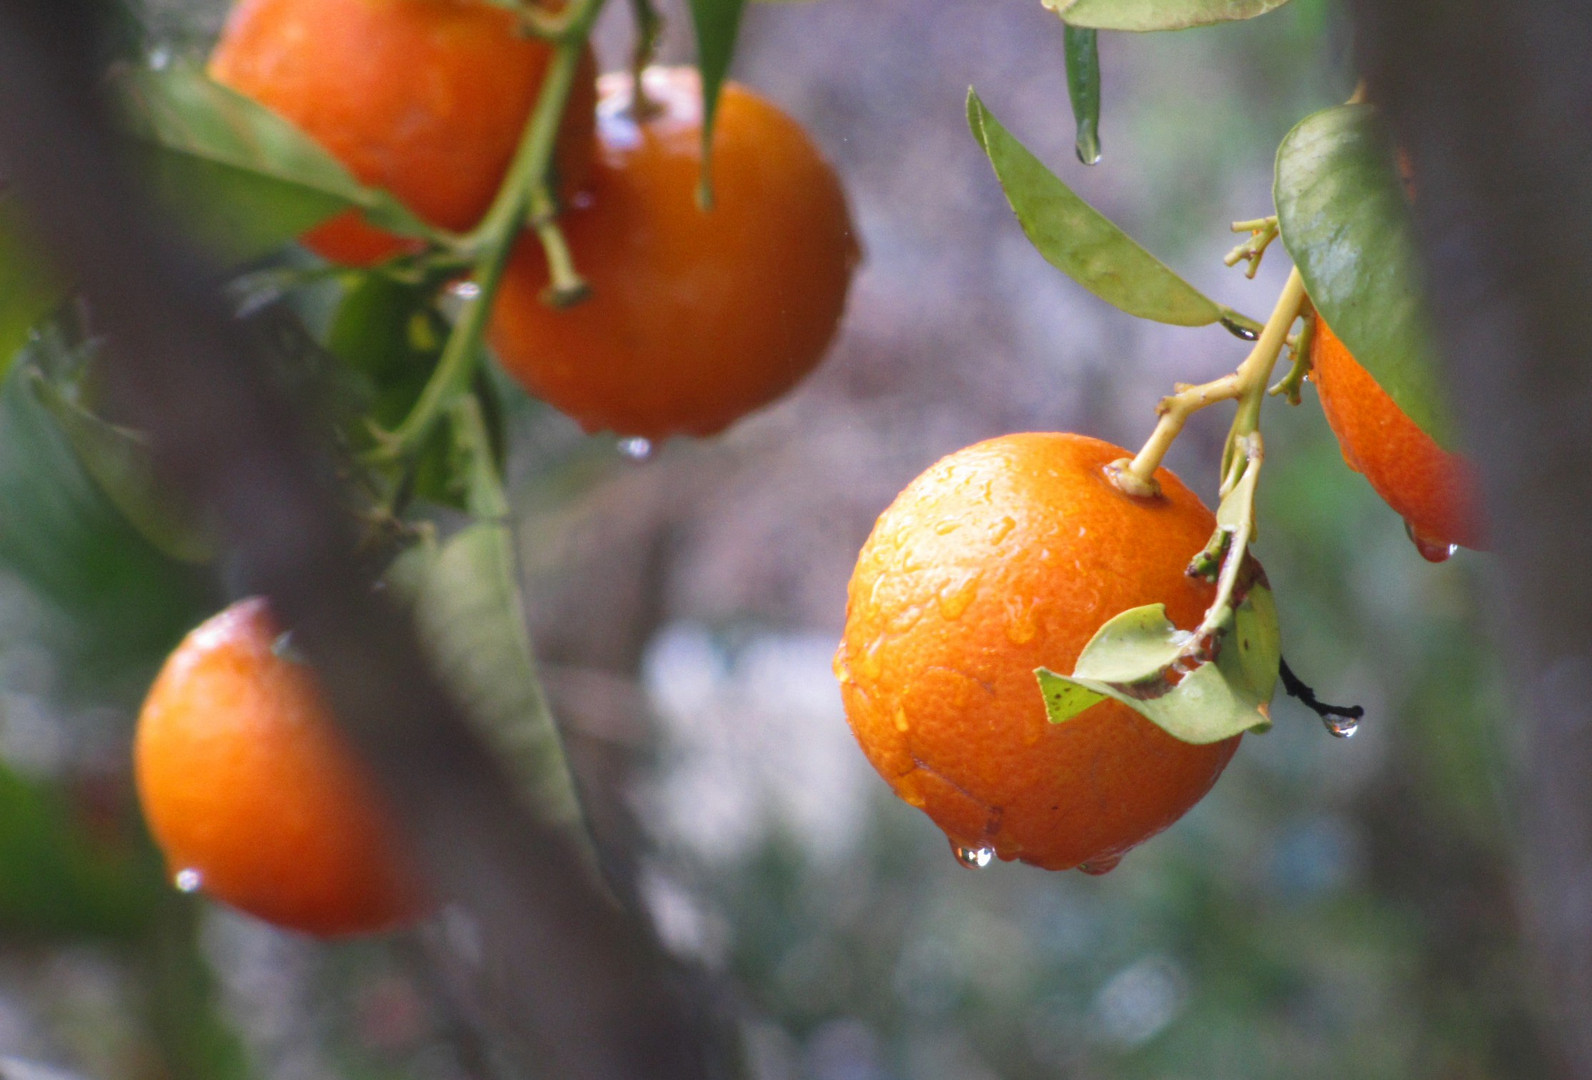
pixel 947 707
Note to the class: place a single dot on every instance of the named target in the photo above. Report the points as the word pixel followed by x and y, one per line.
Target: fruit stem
pixel 566 287
pixel 1255 371
pixel 1247 384
pixel 491 242
pixel 1299 345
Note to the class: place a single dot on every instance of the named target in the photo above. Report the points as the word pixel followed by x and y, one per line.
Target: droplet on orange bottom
pixel 1101 865
pixel 1435 551
pixel 974 858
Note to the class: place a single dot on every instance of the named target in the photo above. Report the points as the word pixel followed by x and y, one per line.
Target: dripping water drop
pixel 1239 330
pixel 973 858
pixel 1104 864
pixel 635 448
pixel 1341 727
pixel 1431 550
pixel 187 880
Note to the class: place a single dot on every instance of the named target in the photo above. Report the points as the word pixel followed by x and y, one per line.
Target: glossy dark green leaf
pixel 1126 661
pixel 248 179
pixel 1344 219
pixel 469 611
pixel 1081 242
pixel 717 23
pixel 1157 14
pixel 28 288
pixel 1083 88
pixel 119 460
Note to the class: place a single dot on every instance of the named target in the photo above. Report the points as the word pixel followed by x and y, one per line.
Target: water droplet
pixel 972 858
pixel 160 58
pixel 636 448
pixel 955 597
pixel 188 880
pixel 1102 865
pixel 1342 727
pixel 466 290
pixel 901 723
pixel 1239 330
pixel 946 528
pixel 1431 550
pixel 1021 624
pixel 1089 155
pixel 872 666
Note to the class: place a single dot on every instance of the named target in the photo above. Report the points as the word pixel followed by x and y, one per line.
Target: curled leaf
pixel 1215 701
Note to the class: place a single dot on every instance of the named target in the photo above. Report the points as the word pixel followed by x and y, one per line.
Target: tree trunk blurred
pixel 1493 103
pixel 580 979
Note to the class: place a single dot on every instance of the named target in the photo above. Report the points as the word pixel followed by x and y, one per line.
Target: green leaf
pixel 1345 222
pixel 1252 651
pixel 119 461
pixel 717 23
pixel 29 290
pixel 1127 660
pixel 1157 14
pixel 249 179
pixel 1134 647
pixel 1083 88
pixel 1079 241
pixel 469 612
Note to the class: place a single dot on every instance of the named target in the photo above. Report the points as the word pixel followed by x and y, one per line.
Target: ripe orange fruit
pixel 696 316
pixel 1005 557
pixel 253 795
pixel 425 98
pixel 1432 489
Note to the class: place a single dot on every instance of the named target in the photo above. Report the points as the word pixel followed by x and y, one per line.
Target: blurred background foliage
pixel 1334 908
